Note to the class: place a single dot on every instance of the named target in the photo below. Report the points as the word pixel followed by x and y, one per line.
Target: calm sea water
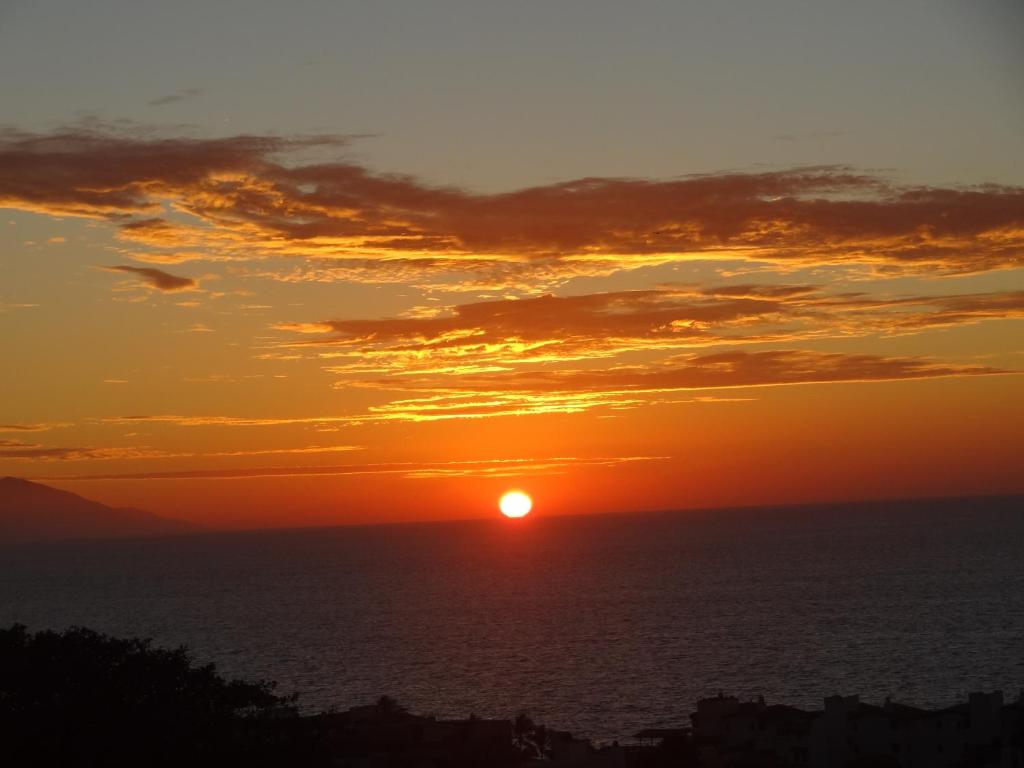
pixel 601 625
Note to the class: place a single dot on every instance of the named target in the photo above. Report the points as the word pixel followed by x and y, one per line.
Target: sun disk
pixel 515 504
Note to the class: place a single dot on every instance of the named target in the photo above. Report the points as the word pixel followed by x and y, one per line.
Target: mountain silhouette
pixel 31 511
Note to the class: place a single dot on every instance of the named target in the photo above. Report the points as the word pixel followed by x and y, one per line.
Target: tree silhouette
pixel 530 739
pixel 79 698
pixel 389 706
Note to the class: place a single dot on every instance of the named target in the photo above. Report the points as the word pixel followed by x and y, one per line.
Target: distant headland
pixel 32 511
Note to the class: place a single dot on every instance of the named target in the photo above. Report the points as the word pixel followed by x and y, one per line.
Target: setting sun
pixel 515 504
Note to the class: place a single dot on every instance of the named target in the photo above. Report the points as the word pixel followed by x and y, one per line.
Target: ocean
pixel 601 625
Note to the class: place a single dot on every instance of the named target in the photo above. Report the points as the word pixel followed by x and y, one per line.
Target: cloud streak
pixel 223 421
pixel 630 386
pixel 18 450
pixel 440 396
pixel 9 450
pixel 182 94
pixel 37 427
pixel 156 278
pixel 410 470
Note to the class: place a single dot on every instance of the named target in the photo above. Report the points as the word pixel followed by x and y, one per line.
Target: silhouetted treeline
pixel 79 698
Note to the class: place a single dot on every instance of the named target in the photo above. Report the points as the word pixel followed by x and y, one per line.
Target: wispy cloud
pixel 223 421
pixel 156 278
pixel 36 427
pixel 471 394
pixel 19 450
pixel 412 470
pixel 182 94
pixel 38 452
pixel 629 386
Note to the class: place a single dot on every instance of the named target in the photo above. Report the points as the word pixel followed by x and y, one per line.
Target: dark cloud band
pixel 247 199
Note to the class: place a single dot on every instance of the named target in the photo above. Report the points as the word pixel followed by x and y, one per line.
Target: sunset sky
pixel 325 262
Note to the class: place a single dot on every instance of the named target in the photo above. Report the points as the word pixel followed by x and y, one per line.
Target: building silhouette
pixel 983 731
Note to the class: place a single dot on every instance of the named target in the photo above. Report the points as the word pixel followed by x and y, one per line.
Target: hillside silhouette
pixel 33 511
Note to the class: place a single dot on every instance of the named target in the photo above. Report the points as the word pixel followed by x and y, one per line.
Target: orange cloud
pixel 37 452
pixel 630 386
pixel 504 335
pixel 38 427
pixel 728 369
pixel 438 396
pixel 248 197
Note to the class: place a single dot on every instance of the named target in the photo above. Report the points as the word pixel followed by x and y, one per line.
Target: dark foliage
pixel 530 738
pixel 79 698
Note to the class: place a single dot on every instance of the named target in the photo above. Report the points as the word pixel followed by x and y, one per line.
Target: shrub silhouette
pixel 80 698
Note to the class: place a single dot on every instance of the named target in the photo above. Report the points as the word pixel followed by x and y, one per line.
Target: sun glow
pixel 515 504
